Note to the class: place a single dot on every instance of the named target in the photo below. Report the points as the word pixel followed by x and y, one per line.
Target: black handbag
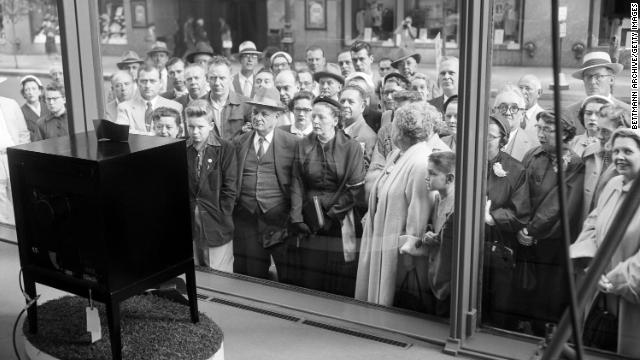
pixel 526 270
pixel 497 254
pixel 601 326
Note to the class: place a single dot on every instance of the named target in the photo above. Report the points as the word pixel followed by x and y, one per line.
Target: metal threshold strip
pixel 300 320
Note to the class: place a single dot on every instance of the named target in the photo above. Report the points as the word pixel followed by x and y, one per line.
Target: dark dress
pixel 31 118
pixel 510 210
pixel 334 173
pixel 549 296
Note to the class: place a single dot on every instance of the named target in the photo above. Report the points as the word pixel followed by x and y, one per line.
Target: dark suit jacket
pixel 438 102
pixel 234 115
pixel 215 190
pixel 284 146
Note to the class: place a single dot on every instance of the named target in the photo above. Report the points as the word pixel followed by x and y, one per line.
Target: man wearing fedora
pixel 598 74
pixel 131 62
pixel 265 158
pixel 230 112
pixel 406 63
pixel 330 81
pixel 201 54
pixel 159 55
pixel 243 80
pixel 137 112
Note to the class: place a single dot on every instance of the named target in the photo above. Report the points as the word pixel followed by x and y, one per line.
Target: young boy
pixel 166 122
pixel 212 184
pixel 441 179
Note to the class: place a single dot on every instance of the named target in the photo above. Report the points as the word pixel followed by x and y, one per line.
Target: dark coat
pixel 438 102
pixel 373 117
pixel 31 118
pixel 235 114
pixel 350 172
pixel 544 222
pixel 284 147
pixel 215 191
pixel 509 195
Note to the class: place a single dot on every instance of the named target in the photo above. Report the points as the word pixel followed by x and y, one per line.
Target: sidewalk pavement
pixel 40 64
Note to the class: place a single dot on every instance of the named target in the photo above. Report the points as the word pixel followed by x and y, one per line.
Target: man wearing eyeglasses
pixel 510 105
pixel 54 123
pixel 598 74
pixel 243 80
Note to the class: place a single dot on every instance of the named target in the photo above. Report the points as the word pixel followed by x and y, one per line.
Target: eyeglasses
pixel 513 108
pixel 52 99
pixel 596 77
pixel 545 129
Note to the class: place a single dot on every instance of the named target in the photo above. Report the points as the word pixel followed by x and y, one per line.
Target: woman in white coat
pixel 621 281
pixel 399 209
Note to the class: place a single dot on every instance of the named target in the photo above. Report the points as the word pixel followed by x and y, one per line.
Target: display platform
pixel 152 328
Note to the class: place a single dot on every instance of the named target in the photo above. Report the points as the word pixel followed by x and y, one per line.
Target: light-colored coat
pixel 111 110
pixel 520 144
pixel 131 112
pixel 399 204
pixel 14 120
pixel 624 269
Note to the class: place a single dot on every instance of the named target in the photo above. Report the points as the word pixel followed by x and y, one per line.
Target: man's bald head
pixel 122 85
pixel 531 88
pixel 287 84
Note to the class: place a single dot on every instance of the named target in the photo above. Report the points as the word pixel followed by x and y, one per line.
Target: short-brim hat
pixel 596 59
pixel 129 57
pixel 248 48
pixel 360 75
pixel 503 124
pixel 327 100
pixel 283 54
pixel 267 97
pixel 332 71
pixel 403 55
pixel 395 75
pixel 201 48
pixel 32 78
pixel 159 46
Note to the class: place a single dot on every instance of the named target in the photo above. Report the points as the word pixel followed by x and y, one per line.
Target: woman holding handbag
pixel 506 212
pixel 327 182
pixel 619 287
pixel 540 274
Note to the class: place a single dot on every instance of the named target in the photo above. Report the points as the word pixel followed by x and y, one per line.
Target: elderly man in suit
pixel 122 87
pixel 265 158
pixel 243 80
pixel 230 111
pixel 447 81
pixel 598 74
pixel 510 105
pixel 531 89
pixel 352 100
pixel 137 112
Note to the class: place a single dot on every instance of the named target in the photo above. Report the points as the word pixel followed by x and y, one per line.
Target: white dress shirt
pixel 268 139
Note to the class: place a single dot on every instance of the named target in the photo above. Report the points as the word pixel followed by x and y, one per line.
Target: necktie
pixel 260 147
pixel 246 89
pixel 606 161
pixel 147 116
pixel 523 122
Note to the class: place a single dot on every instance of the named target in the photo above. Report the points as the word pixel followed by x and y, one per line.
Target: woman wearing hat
pixel 327 182
pixel 541 245
pixel 34 107
pixel 506 212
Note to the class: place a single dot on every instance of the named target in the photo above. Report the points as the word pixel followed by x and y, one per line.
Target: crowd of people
pixel 341 179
